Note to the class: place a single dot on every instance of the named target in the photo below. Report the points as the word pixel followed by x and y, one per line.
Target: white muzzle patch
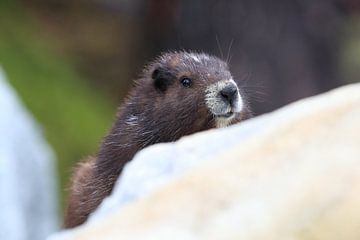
pixel 224 109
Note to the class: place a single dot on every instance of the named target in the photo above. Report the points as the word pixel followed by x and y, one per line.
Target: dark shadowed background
pixel 73 61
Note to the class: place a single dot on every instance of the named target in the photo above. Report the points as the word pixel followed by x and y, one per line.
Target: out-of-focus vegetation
pixel 73 114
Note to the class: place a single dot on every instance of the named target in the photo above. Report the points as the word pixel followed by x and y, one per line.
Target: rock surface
pixel 28 209
pixel 291 174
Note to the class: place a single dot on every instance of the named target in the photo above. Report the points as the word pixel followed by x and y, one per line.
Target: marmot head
pixel 183 92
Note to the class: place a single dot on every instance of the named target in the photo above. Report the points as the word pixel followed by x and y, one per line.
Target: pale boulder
pixel 28 186
pixel 291 174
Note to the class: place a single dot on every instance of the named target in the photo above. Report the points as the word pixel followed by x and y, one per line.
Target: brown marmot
pixel 178 94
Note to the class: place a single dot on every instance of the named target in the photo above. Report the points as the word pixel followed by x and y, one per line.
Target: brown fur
pixel 158 109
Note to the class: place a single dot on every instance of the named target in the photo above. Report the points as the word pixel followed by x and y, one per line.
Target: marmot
pixel 178 94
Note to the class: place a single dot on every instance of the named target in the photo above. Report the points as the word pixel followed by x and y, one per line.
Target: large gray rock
pixel 28 193
pixel 291 174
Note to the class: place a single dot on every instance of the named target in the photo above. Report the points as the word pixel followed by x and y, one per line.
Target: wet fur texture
pixel 158 109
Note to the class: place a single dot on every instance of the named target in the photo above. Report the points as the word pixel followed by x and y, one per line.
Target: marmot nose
pixel 229 93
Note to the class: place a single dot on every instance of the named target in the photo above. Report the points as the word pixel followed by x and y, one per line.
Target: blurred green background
pixel 72 62
pixel 73 113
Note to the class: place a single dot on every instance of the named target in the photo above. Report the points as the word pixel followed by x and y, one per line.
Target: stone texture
pixel 290 174
pixel 28 209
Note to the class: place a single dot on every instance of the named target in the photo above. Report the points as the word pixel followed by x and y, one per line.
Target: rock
pixel 27 174
pixel 290 174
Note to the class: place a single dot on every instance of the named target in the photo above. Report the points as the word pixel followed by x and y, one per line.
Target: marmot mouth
pixel 226 115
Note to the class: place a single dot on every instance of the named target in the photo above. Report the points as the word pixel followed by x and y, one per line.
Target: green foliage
pixel 74 116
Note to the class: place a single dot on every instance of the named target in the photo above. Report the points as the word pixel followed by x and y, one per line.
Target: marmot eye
pixel 186 82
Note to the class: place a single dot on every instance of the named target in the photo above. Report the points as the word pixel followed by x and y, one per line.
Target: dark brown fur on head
pixel 170 100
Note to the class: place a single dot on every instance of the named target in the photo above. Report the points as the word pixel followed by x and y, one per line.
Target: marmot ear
pixel 162 78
